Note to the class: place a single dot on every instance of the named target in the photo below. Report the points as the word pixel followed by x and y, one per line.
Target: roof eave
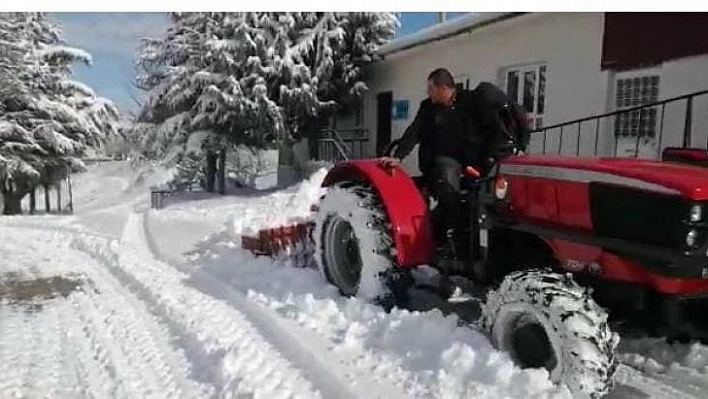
pixel 456 28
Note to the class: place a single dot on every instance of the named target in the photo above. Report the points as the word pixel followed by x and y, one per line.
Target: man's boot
pixel 448 262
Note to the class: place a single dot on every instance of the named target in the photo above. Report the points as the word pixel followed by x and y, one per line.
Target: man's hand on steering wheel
pixel 389 162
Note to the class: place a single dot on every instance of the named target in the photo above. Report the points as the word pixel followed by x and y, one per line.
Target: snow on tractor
pixel 560 243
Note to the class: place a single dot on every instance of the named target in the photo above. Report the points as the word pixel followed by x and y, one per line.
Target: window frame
pixel 534 116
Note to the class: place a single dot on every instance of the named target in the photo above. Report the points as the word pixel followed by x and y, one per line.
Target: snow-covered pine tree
pixel 253 79
pixel 164 69
pixel 200 79
pixel 11 58
pixel 318 59
pixel 20 154
pixel 49 120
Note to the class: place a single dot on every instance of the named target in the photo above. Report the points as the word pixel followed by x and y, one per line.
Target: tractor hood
pixel 690 182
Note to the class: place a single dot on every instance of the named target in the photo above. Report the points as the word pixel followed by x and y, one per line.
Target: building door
pixel 384 107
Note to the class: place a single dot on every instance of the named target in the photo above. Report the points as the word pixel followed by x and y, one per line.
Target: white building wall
pixel 679 77
pixel 569 43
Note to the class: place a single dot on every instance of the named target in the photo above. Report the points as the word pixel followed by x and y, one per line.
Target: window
pixel 527 85
pixel 634 91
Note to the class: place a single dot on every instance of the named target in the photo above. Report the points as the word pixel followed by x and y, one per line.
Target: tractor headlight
pixel 692 238
pixel 696 213
pixel 501 188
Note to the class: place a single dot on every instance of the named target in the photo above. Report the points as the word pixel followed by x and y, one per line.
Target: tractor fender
pixel 406 209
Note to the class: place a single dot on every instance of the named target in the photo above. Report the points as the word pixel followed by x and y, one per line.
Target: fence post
pixel 687 123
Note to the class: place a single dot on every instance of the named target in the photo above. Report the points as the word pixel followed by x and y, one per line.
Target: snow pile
pixel 150 176
pixel 430 354
pixel 427 354
pixel 282 208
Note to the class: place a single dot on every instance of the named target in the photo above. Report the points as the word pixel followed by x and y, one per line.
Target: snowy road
pixel 100 341
pixel 122 302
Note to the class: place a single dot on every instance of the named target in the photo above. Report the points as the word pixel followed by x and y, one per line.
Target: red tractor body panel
pixel 690 156
pixel 405 206
pixel 554 192
pixel 691 182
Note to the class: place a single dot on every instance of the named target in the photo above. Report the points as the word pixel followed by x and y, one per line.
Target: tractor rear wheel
pixel 545 319
pixel 354 245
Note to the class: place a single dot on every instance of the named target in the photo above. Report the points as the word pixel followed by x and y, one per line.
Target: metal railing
pixel 341 145
pixel 642 123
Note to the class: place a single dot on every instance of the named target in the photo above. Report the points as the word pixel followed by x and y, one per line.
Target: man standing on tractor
pixel 456 129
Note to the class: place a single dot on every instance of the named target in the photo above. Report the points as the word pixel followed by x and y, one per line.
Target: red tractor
pixel 564 246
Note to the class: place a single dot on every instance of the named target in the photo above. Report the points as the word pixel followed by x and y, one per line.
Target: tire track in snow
pixel 45 374
pixel 15 334
pixel 648 386
pixel 227 349
pixel 38 357
pixel 94 369
pixel 139 359
pixel 645 382
pixel 308 351
pixel 682 366
pixel 101 338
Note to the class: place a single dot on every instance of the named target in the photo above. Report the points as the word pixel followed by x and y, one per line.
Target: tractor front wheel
pixel 546 320
pixel 354 244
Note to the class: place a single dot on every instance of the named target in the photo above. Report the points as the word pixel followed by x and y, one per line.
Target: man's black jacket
pixel 481 132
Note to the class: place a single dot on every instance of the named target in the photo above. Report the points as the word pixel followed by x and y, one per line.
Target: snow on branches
pixel 47 120
pixel 254 79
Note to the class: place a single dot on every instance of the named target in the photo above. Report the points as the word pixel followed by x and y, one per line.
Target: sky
pixel 112 39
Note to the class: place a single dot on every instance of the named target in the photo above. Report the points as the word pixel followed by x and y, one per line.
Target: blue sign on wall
pixel 400 109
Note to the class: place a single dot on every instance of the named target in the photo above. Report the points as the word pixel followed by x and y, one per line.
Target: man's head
pixel 441 86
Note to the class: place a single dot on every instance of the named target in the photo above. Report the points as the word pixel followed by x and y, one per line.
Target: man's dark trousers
pixel 444 181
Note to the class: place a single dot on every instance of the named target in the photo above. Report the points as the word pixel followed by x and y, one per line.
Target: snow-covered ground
pixel 119 300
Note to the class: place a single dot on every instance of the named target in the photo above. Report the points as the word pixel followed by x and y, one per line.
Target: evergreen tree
pixel 48 120
pixel 254 79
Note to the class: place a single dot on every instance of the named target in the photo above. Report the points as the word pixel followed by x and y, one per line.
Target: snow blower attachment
pixel 286 243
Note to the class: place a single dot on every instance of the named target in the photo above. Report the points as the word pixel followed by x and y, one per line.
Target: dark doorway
pixel 384 107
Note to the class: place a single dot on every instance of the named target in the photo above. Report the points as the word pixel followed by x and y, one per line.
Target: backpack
pixel 512 119
pixel 515 125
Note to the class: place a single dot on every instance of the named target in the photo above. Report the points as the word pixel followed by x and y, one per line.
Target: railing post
pixel 687 123
pixel 545 136
pixel 617 137
pixel 597 134
pixel 639 134
pixel 661 130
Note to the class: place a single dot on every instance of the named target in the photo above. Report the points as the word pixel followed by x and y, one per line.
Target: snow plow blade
pixel 293 242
